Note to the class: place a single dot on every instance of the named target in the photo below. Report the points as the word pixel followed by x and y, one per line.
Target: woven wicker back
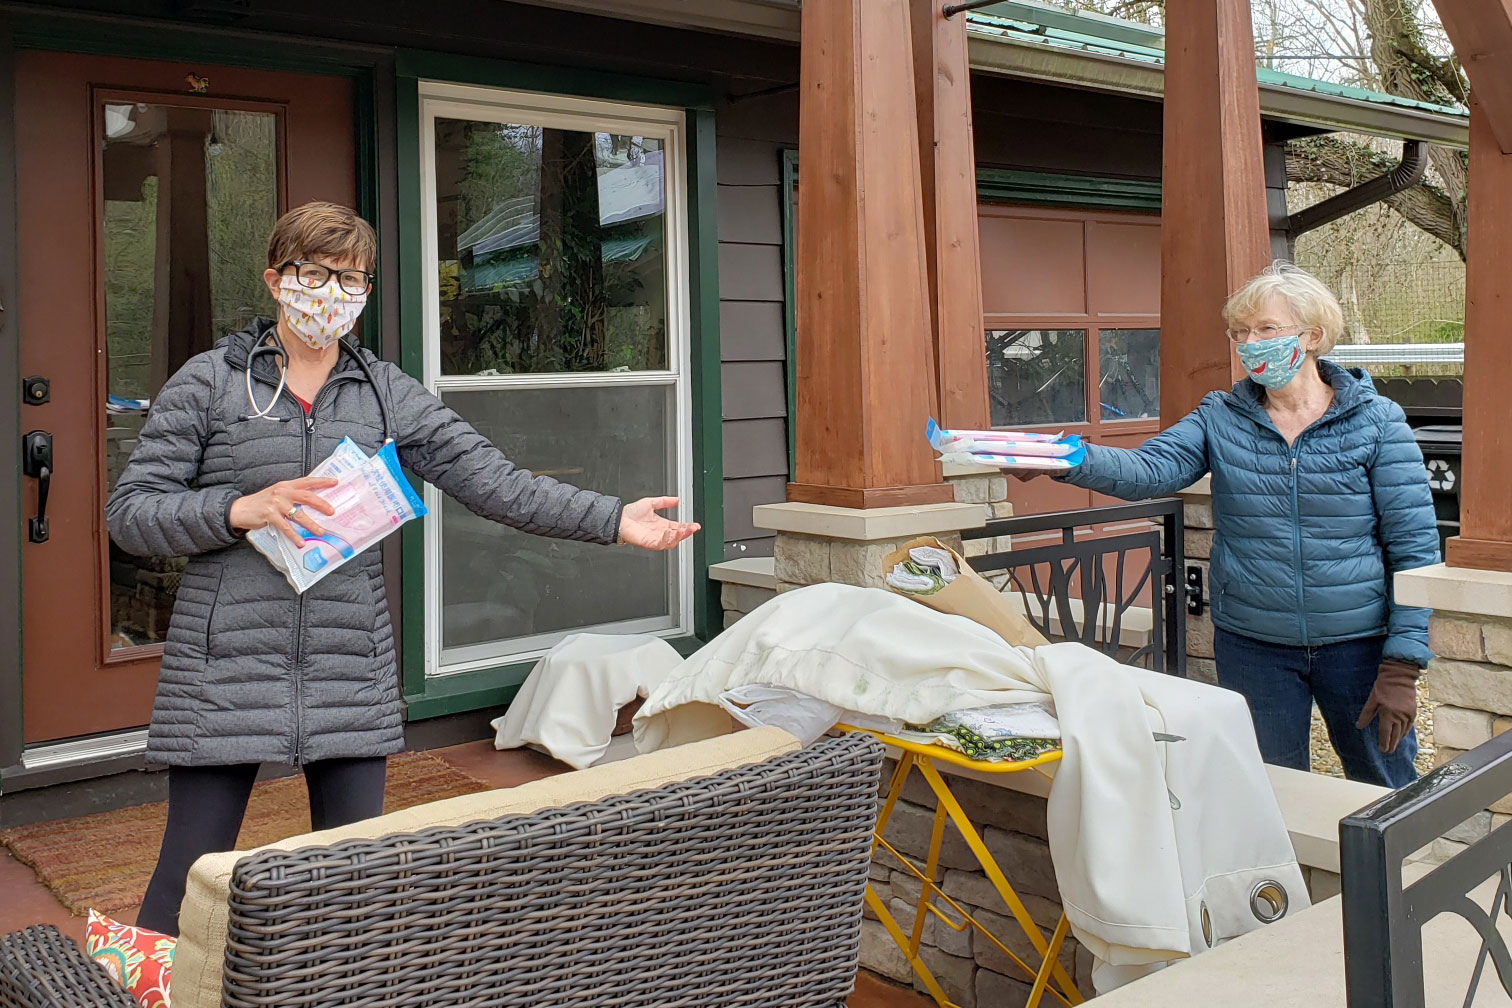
pixel 741 888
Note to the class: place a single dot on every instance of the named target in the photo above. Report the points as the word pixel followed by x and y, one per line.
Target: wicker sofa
pixel 725 872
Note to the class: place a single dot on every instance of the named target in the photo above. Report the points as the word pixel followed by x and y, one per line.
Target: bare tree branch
pixel 1344 163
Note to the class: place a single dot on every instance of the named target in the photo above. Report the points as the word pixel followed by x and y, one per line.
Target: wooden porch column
pixel 947 167
pixel 865 358
pixel 1481 31
pixel 1485 539
pixel 1214 231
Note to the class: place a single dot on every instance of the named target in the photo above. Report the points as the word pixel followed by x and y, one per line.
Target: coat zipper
pixel 307 432
pixel 1297 536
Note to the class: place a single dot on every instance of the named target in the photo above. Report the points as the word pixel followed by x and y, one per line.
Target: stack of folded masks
pixel 1000 732
pixel 1007 449
pixel 926 571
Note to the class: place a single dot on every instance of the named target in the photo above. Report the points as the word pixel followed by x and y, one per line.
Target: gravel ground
pixel 1324 761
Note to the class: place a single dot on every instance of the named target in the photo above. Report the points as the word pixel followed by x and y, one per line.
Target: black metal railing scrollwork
pixel 1077 585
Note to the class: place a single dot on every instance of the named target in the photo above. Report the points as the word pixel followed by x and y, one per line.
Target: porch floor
pixel 25 901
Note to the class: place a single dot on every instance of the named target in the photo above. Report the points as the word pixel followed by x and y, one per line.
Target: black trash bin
pixel 1442 445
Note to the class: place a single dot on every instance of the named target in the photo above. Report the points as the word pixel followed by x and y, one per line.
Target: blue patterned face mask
pixel 1273 362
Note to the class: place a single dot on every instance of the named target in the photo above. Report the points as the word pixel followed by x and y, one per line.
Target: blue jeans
pixel 1280 682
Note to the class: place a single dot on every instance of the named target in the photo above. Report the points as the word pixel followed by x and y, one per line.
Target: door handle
pixel 37 461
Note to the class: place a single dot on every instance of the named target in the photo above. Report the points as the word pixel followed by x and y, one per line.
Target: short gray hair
pixel 1313 303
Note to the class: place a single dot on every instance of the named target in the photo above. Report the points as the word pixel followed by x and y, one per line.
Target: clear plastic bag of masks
pixel 371 497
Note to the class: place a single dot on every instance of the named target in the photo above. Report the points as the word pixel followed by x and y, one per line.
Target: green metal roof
pixel 1025 21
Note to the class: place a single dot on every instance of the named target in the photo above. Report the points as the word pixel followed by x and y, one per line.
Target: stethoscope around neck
pixel 270 345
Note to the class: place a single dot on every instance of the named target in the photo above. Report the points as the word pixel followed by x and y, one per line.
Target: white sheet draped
pixel 1148 838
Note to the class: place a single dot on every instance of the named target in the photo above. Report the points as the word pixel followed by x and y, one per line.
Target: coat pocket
pixel 213 585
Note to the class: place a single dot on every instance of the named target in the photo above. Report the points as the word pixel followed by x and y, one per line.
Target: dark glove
pixel 1394 697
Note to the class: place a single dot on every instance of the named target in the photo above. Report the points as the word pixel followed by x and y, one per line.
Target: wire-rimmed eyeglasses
pixel 1265 332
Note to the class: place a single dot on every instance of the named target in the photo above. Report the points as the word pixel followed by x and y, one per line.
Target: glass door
pixel 145 194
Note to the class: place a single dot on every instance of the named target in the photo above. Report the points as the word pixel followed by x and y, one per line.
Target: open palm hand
pixel 641 526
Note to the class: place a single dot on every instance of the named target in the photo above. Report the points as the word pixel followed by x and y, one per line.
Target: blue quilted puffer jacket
pixel 1308 534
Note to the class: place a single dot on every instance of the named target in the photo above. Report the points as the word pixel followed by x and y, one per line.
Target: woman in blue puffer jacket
pixel 1319 497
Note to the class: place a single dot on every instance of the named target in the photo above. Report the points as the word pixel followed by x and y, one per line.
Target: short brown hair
pixel 322 231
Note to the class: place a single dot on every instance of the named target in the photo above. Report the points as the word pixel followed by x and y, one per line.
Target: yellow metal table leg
pixel 948 802
pixel 1049 976
pixel 923 972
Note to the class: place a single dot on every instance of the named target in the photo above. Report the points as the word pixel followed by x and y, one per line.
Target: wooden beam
pixel 1481 32
pixel 1214 231
pixel 1485 540
pixel 865 356
pixel 947 169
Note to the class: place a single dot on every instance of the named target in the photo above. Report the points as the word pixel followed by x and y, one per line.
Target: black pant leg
pixel 345 791
pixel 205 809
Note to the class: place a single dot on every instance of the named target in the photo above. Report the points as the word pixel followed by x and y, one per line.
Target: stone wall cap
pixel 755 572
pixel 870 524
pixel 1456 589
pixel 1298 962
pixel 1202 488
pixel 1311 804
pixel 958 469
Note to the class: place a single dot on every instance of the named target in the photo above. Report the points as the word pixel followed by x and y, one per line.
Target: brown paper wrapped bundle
pixel 972 596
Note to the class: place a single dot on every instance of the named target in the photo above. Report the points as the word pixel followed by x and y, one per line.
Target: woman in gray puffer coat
pixel 253 673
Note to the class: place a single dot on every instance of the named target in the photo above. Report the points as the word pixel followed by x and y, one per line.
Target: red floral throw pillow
pixel 140 960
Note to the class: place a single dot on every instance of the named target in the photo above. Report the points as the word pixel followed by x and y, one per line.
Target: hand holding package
pixel 371 497
pixel 1006 449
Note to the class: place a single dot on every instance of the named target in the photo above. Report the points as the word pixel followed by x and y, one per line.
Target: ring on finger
pixel 292 511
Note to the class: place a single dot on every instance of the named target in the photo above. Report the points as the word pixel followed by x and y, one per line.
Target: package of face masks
pixel 1007 449
pixel 371 497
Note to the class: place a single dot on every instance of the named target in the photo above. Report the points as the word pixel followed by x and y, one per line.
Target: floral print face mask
pixel 319 315
pixel 1272 362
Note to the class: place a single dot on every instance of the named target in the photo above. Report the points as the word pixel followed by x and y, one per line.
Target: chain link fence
pixel 1399 302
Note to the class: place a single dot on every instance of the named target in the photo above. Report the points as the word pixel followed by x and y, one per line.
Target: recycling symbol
pixel 1440 475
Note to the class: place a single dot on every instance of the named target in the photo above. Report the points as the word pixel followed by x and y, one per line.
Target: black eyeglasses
pixel 313 275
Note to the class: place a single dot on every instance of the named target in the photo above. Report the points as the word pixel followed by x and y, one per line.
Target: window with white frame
pixel 557 322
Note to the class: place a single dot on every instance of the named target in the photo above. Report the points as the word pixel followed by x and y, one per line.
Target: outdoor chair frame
pixel 741 888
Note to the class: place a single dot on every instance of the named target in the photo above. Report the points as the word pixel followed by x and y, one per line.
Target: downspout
pixel 1407 174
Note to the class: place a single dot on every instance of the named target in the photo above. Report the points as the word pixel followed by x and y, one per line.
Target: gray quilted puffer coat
pixel 251 671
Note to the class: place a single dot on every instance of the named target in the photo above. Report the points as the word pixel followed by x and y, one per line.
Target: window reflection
pixel 190 195
pixel 1037 376
pixel 1128 367
pixel 552 250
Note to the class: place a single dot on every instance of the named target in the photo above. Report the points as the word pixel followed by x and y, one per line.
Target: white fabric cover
pixel 1135 871
pixel 573 696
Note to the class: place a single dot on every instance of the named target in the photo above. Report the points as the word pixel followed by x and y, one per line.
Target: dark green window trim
pixel 1083 192
pixel 994 185
pixel 496 686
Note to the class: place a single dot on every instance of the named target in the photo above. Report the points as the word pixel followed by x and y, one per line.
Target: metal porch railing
pixel 1384 916
pixel 1105 572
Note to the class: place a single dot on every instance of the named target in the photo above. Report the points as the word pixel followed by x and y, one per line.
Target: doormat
pixel 105 860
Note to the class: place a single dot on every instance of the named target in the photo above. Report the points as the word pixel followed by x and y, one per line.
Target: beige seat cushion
pixel 200 956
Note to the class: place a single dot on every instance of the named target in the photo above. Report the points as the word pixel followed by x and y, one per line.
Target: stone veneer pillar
pixel 1198 545
pixel 1470 678
pixel 818 544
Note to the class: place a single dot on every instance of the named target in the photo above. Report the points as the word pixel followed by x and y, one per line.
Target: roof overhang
pixel 1299 107
pixel 779 19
